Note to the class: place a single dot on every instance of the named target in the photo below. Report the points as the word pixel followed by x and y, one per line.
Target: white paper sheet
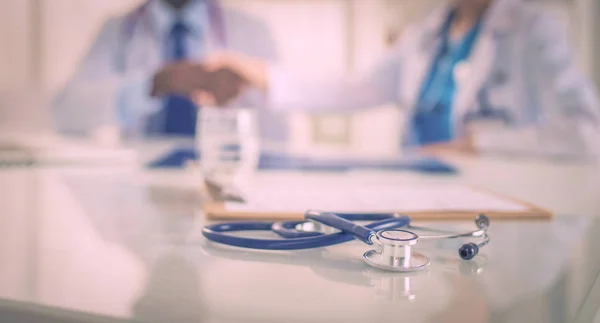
pixel 373 199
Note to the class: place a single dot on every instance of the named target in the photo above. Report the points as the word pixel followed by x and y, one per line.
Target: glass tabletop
pixel 116 246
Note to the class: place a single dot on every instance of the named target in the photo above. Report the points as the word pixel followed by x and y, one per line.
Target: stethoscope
pixel 395 252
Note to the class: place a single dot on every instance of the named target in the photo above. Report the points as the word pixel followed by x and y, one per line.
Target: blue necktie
pixel 180 112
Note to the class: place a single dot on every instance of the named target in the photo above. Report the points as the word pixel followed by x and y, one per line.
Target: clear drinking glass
pixel 228 144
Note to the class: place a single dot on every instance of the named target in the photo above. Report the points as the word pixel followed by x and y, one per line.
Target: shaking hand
pixel 216 85
pixel 179 78
pixel 253 70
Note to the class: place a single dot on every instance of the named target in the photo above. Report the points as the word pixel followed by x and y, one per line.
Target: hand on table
pixel 463 145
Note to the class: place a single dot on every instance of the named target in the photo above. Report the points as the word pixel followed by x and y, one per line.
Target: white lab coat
pixel 112 84
pixel 521 58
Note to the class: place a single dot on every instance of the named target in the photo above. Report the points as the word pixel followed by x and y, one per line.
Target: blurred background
pixel 43 40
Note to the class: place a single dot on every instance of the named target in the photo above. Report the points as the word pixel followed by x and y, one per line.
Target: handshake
pixel 216 81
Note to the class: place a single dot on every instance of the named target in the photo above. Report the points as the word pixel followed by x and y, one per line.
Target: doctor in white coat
pixel 156 48
pixel 484 75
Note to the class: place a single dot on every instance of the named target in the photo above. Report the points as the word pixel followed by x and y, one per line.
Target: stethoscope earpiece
pixel 482 221
pixel 468 251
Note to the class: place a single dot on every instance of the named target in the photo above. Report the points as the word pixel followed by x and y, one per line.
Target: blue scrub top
pixel 432 121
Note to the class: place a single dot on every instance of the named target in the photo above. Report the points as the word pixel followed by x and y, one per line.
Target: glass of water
pixel 228 144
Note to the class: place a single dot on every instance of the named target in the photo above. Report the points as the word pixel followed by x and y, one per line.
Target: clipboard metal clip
pixel 220 193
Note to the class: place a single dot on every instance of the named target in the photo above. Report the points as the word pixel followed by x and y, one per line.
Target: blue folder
pixel 277 161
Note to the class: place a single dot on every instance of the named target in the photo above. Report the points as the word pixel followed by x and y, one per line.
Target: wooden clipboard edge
pixel 532 207
pixel 216 211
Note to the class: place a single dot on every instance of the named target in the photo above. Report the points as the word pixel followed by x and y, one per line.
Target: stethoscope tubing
pixel 218 233
pixel 288 229
pixel 470 234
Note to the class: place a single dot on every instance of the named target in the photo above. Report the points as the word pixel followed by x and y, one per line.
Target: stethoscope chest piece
pixel 396 252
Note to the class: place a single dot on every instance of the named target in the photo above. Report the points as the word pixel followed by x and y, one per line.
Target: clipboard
pixel 513 209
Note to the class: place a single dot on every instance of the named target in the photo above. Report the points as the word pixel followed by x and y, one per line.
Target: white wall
pixel 17 68
pixel 67 30
pixel 594 13
pixel 15 43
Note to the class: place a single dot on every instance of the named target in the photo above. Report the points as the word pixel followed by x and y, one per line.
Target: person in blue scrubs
pixel 493 76
pixel 433 117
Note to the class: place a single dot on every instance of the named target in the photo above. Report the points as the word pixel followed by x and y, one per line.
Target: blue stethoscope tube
pixel 362 233
pixel 289 229
pixel 304 240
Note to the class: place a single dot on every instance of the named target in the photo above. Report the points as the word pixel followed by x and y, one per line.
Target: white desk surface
pixel 112 244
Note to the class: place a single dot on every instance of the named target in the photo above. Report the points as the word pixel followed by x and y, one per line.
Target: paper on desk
pixel 373 199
